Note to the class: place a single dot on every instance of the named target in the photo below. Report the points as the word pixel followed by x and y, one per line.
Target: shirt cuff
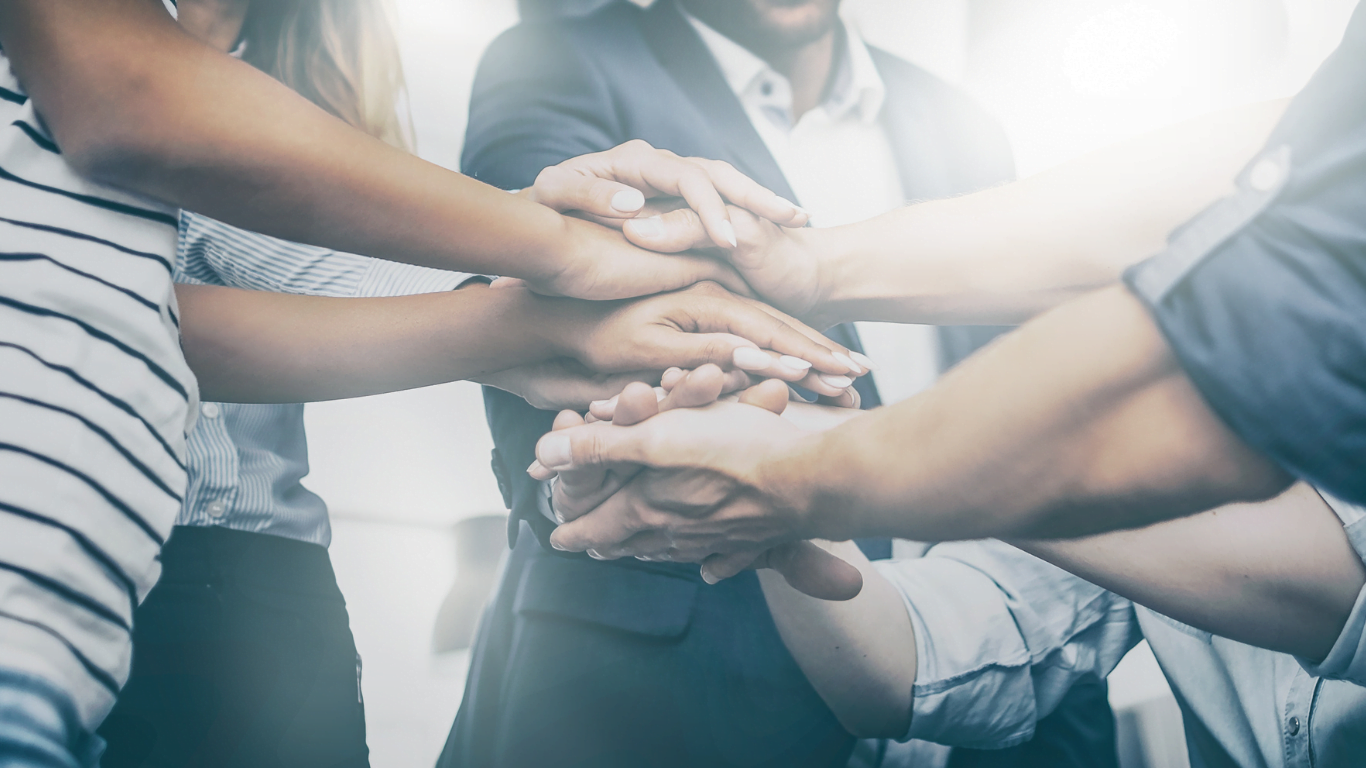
pixel 1347 659
pixel 392 278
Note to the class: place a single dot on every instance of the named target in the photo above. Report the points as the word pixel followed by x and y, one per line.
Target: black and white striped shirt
pixel 95 400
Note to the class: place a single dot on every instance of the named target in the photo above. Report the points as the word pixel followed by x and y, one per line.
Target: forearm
pixel 1280 574
pixel 858 654
pixel 1079 422
pixel 248 346
pixel 1003 255
pixel 254 153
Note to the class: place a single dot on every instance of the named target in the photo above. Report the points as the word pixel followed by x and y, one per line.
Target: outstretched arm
pixel 136 102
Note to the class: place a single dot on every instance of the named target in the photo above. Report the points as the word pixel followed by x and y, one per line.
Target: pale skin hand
pixel 1099 429
pixel 998 256
pixel 803 565
pixel 136 102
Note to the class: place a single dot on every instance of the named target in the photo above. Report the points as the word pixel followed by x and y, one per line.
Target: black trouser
pixel 242 658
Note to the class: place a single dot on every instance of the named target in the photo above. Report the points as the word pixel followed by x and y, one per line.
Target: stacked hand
pixel 701 316
pixel 609 505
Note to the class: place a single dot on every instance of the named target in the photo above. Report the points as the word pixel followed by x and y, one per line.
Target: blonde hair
pixel 340 54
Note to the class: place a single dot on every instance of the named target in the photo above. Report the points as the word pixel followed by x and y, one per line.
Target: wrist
pixel 837 275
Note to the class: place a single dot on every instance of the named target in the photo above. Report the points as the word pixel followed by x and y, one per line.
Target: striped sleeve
pixel 214 253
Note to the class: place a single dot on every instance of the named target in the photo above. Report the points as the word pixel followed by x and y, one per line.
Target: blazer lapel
pixel 911 127
pixel 688 61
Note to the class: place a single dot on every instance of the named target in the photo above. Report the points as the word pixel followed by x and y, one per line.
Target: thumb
pixel 672 232
pixel 565 190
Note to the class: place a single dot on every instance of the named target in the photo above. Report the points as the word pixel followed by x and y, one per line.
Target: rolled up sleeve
pixel 1347 659
pixel 1262 298
pixel 1000 638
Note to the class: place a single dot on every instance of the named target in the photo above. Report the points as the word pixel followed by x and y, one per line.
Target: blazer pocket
pixel 621 598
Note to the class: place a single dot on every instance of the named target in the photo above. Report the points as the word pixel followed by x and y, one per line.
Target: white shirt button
pixel 216 509
pixel 210 410
pixel 1265 175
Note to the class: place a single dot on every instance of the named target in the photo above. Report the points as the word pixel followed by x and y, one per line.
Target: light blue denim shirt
pixel 246 462
pixel 1001 636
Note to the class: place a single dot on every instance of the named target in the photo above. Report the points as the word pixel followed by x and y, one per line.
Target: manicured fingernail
pixel 751 359
pixel 863 360
pixel 652 226
pixel 593 553
pixel 784 201
pixel 555 451
pixel 535 465
pixel 598 404
pixel 628 201
pixel 838 382
pixel 795 363
pixel 660 393
pixel 848 362
pixel 559 518
pixel 556 545
pixel 728 232
pixel 708 577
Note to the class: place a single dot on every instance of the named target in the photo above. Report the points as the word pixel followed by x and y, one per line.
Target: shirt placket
pixel 219 490
pixel 1297 719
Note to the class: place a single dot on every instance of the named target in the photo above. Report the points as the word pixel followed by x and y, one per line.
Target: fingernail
pixel 707 577
pixel 660 394
pixel 555 451
pixel 628 201
pixel 598 404
pixel 796 363
pixel 559 518
pixel 652 226
pixel 593 553
pixel 848 362
pixel 751 359
pixel 532 467
pixel 784 201
pixel 728 232
pixel 863 360
pixel 838 382
pixel 556 545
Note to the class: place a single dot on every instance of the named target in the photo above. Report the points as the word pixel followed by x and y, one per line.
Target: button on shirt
pixel 246 462
pixel 1002 635
pixel 839 162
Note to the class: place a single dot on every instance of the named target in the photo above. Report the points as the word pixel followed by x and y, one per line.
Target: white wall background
pixel 1064 75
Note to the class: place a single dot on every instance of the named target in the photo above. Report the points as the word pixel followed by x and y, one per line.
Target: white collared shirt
pixel 839 161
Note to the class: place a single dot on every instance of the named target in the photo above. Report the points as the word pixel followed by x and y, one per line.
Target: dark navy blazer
pixel 580 662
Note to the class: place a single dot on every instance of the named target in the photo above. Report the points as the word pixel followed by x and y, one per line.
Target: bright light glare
pixel 1120 49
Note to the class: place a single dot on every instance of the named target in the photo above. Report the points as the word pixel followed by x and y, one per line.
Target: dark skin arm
pixel 136 102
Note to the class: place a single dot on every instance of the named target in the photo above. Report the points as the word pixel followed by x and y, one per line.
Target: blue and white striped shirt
pixel 246 462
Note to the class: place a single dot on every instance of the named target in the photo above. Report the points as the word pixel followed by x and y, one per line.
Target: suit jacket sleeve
pixel 537 101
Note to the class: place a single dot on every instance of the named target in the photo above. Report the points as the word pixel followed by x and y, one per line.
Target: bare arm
pixel 858 654
pixel 1001 255
pixel 136 102
pixel 250 346
pixel 1280 574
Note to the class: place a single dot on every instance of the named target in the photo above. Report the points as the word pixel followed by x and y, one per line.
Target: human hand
pixel 700 324
pixel 612 187
pixel 789 268
pixel 807 567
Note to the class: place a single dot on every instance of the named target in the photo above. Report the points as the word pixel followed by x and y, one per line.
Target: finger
pixel 700 387
pixel 767 330
pixel 771 395
pixel 635 404
pixel 564 189
pixel 827 384
pixel 849 398
pixel 746 193
pixel 566 419
pixel 672 232
pixel 813 571
pixel 720 567
pixel 605 528
pixel 602 410
pixel 849 361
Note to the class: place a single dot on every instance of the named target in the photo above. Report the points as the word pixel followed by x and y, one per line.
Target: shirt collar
pixel 857 88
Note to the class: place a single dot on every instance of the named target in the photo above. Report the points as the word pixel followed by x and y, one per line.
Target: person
pixel 97 389
pixel 1255 613
pixel 1155 399
pixel 791 95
